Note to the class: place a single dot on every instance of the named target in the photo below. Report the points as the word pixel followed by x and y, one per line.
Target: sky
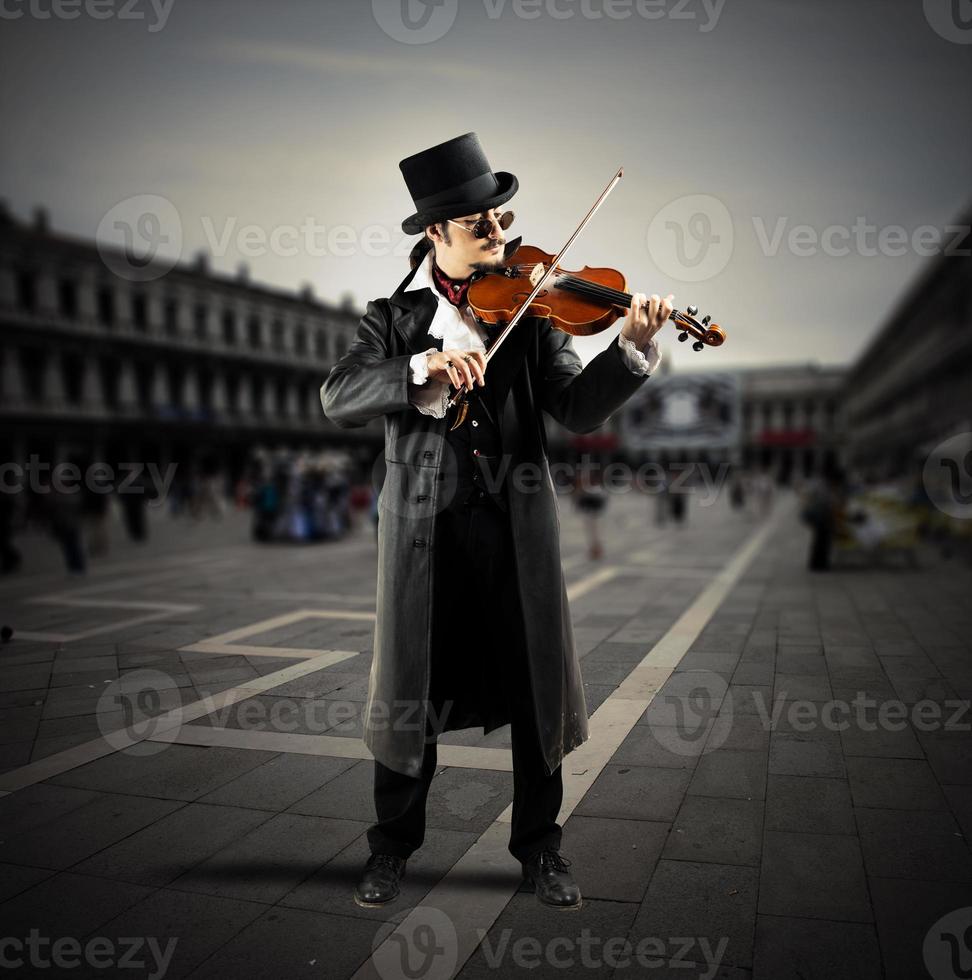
pixel 790 167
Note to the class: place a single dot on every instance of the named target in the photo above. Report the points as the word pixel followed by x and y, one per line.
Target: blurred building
pixel 912 386
pixel 791 419
pixel 172 368
pixel 783 419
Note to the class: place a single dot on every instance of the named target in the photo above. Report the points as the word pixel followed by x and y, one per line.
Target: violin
pixel 579 303
pixel 533 283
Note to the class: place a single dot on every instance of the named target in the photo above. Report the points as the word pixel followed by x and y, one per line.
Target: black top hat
pixel 452 179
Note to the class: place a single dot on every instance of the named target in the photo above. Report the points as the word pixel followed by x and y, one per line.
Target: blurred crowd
pixel 292 496
pixel 856 518
pixel 299 496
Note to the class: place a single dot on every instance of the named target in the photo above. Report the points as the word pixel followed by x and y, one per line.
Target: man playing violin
pixel 473 627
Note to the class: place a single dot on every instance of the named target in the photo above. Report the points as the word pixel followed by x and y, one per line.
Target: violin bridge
pixel 536 273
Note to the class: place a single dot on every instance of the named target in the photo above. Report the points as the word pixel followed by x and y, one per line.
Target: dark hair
pixel 424 245
pixel 419 251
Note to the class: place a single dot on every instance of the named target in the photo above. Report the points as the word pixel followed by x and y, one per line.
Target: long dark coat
pixel 535 368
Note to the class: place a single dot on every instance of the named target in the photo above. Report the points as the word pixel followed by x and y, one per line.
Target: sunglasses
pixel 483 227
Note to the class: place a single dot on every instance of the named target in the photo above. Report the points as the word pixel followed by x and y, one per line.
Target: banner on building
pixel 685 411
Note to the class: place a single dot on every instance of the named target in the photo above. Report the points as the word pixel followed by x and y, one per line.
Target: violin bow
pixel 459 396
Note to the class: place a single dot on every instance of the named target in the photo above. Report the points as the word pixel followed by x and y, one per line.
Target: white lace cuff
pixel 640 363
pixel 429 397
pixel 432 399
pixel 419 367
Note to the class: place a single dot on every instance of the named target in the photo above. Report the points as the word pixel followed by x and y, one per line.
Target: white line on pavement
pixel 472 894
pixel 339 747
pixel 79 755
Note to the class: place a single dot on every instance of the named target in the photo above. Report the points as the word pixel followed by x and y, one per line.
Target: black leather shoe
pixel 379 881
pixel 547 869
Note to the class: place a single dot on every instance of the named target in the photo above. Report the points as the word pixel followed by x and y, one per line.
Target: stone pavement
pixel 181 761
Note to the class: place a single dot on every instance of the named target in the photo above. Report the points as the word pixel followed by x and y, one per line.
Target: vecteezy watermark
pixel 683 713
pixel 425 472
pixel 947 949
pixel 154 12
pixel 947 476
pixel 98 477
pixel 419 942
pixel 863 713
pixel 140 238
pixel 99 952
pixel 692 238
pixel 425 21
pixel 313 716
pixel 861 237
pixel 950 19
pixel 136 706
pixel 311 237
pixel 592 952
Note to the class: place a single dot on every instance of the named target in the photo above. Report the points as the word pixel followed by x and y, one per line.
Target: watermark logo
pixel 947 476
pixel 950 19
pixel 155 13
pixel 424 21
pixel 146 954
pixel 139 695
pixel 421 942
pixel 947 949
pixel 691 238
pixel 140 238
pixel 689 703
pixel 588 951
pixel 415 21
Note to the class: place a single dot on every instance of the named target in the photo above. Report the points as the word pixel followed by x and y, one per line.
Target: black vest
pixel 474 465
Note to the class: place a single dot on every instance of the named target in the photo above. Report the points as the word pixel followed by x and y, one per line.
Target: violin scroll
pixel 706 334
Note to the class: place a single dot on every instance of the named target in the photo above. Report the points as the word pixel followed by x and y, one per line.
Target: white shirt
pixel 458 330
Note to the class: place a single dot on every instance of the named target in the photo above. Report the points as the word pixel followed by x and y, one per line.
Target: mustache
pixel 493 243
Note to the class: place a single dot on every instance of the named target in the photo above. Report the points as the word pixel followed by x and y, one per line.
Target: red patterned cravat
pixel 454 290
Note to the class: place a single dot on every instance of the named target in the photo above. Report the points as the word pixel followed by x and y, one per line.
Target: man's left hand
pixel 646 317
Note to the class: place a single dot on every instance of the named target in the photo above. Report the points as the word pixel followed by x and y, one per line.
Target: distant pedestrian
pixel 822 511
pixel 9 555
pixel 591 499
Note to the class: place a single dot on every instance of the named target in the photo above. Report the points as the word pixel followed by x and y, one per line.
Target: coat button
pixel 418 543
pixel 475 452
pixel 428 454
pixel 475 422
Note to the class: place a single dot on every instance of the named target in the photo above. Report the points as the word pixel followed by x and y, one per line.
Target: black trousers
pixel 476 599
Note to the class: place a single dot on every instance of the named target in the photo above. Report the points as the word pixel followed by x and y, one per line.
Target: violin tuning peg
pixel 691 310
pixel 698 345
pixel 683 337
pixel 705 320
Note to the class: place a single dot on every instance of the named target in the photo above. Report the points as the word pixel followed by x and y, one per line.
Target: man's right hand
pixel 460 367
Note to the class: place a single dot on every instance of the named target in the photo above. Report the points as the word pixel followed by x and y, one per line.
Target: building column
pixel 8 287
pixel 293 406
pixel 92 395
pixel 128 400
pixel 217 395
pixel 244 397
pixel 47 292
pixel 270 399
pixel 190 391
pixel 160 398
pixel 53 395
pixel 12 386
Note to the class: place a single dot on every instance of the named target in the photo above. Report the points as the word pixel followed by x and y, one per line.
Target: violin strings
pixel 583 285
pixel 592 289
